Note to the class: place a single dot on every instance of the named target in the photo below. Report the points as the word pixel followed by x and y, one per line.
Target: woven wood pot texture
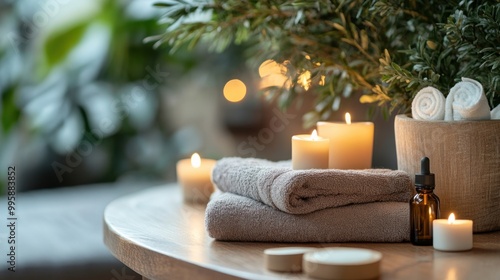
pixel 465 158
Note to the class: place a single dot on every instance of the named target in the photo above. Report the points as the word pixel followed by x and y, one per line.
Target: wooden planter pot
pixel 465 157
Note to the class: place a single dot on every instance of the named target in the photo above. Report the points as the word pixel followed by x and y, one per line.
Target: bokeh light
pixel 273 74
pixel 270 67
pixel 305 80
pixel 235 90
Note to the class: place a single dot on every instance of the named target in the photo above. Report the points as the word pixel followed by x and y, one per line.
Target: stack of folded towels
pixel 260 200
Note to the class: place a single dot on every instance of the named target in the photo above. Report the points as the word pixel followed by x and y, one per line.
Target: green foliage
pixel 383 51
pixel 62 78
pixel 59 45
pixel 9 113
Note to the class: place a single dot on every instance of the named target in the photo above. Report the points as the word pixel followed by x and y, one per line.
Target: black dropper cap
pixel 424 180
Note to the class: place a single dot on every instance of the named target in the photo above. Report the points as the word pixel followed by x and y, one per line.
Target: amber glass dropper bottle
pixel 424 206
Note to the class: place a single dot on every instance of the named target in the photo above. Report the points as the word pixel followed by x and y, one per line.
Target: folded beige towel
pixel 306 191
pixel 230 217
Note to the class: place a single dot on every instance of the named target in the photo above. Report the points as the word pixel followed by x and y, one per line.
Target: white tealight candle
pixel 194 177
pixel 310 151
pixel 451 234
pixel 351 144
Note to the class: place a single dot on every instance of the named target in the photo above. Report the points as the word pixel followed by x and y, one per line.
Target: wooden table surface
pixel 158 236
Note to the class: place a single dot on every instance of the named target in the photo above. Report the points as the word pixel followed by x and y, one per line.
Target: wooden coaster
pixel 342 263
pixel 286 259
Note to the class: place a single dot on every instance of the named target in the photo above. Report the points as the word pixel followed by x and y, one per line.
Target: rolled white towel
pixel 428 104
pixel 466 101
pixel 495 113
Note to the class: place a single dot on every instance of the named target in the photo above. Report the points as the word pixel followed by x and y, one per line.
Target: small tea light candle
pixel 310 151
pixel 351 144
pixel 451 234
pixel 194 177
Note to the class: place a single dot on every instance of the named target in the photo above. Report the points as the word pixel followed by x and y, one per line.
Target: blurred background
pixel 90 112
pixel 85 100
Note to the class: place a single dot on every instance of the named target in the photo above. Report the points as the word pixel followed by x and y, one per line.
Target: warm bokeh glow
pixel 322 80
pixel 314 135
pixel 347 118
pixel 196 160
pixel 451 219
pixel 271 67
pixel 305 80
pixel 273 74
pixel 274 80
pixel 235 90
pixel 451 274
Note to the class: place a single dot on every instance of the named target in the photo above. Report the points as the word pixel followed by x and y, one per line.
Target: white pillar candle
pixel 310 151
pixel 194 176
pixel 451 234
pixel 351 144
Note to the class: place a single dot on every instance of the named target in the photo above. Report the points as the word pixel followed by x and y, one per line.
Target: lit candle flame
pixel 314 135
pixel 451 219
pixel 348 118
pixel 195 160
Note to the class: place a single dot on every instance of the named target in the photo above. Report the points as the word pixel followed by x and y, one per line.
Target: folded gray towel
pixel 230 217
pixel 306 191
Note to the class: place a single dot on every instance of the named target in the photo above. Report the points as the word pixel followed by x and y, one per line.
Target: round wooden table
pixel 154 233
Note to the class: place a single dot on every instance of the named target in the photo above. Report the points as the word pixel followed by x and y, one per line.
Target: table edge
pixel 116 244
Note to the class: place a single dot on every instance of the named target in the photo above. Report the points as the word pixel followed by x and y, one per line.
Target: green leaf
pixel 10 112
pixel 60 44
pixel 162 4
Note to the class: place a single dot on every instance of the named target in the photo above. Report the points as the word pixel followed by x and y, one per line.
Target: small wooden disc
pixel 286 259
pixel 342 263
